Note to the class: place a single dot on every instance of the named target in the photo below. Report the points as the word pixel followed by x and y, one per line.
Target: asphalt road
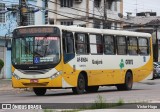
pixel 147 91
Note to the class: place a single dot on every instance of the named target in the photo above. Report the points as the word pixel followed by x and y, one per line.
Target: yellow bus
pixel 56 56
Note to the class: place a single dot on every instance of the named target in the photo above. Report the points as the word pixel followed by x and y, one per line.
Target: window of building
pixel 115 26
pixel 66 3
pixel 96 46
pixel 2 15
pixel 97 24
pixel 16 6
pixel 109 44
pixel 121 45
pixel 132 46
pixel 109 4
pixel 82 46
pixel 107 25
pixel 97 3
pixel 143 46
pixel 67 23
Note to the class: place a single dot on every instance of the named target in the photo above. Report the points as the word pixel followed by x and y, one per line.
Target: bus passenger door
pixel 68 79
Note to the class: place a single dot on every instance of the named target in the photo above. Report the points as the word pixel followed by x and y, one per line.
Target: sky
pixel 141 6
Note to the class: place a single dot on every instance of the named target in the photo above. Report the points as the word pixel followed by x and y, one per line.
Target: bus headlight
pixel 16 76
pixel 56 74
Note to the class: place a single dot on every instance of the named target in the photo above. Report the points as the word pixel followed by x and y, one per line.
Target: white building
pixel 90 13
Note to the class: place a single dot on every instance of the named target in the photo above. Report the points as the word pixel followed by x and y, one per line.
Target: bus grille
pixel 34 72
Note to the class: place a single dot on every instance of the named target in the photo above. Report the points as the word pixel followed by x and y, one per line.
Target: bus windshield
pixel 36 50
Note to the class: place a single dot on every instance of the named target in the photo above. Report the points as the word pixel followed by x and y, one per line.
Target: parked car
pixel 156 64
pixel 156 70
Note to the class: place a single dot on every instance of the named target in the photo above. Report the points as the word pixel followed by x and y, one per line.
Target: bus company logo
pixel 121 65
pixel 6 106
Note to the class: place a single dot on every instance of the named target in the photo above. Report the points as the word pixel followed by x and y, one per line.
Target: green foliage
pixel 120 102
pixel 1 64
pixel 100 103
pixel 48 110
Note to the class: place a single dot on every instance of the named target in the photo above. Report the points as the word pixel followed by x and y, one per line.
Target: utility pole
pixel 105 14
pixel 23 12
pixel 87 13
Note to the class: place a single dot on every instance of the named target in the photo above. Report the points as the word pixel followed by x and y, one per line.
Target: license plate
pixel 34 80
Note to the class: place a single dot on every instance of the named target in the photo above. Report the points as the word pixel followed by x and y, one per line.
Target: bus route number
pixel 82 59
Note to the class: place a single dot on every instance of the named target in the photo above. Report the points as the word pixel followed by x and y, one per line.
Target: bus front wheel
pixel 80 85
pixel 39 91
pixel 128 82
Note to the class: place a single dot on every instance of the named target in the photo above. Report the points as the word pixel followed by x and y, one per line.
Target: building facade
pixel 89 13
pixel 9 20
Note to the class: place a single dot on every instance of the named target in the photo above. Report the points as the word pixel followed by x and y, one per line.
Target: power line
pixel 79 9
pixel 75 9
pixel 50 10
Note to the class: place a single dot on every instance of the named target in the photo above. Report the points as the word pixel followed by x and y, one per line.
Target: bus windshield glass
pixel 35 49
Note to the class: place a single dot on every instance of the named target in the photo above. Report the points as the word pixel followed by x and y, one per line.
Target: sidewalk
pixel 5 84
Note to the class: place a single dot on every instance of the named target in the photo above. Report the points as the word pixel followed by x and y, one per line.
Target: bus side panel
pixel 144 71
pixel 70 75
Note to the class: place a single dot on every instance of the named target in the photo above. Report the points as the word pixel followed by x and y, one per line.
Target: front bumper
pixel 47 82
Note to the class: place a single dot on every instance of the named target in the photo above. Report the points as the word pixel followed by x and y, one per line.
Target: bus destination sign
pixel 35 30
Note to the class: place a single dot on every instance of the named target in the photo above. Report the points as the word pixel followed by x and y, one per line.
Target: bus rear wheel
pixel 91 89
pixel 128 82
pixel 39 91
pixel 80 85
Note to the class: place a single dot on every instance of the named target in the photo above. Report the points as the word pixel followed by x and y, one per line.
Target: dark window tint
pixel 109 44
pixel 121 45
pixel 82 43
pixel 69 42
pixel 132 46
pixel 143 46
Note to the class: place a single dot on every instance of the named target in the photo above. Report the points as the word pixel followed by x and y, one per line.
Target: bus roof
pixel 94 30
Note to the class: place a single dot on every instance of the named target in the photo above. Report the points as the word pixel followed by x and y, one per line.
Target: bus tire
pixel 39 91
pixel 91 89
pixel 128 82
pixel 80 85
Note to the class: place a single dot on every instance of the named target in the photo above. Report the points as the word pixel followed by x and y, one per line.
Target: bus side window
pixel 96 46
pixel 121 45
pixel 143 46
pixel 132 45
pixel 109 46
pixel 81 43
